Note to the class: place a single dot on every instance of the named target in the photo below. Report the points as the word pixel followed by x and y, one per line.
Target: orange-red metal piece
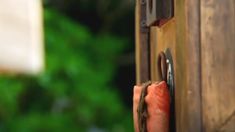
pixel 158 107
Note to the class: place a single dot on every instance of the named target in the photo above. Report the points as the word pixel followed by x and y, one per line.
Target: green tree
pixel 75 92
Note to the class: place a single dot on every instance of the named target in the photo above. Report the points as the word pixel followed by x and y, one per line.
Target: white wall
pixel 21 37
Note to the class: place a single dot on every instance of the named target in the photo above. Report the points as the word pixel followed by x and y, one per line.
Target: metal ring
pixel 162 66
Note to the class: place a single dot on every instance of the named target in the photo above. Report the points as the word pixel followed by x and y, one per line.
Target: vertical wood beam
pixel 193 38
pixel 218 64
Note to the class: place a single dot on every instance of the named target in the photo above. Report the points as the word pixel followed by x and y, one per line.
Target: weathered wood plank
pixel 193 69
pixel 218 64
pixel 182 36
pixel 188 77
pixel 201 37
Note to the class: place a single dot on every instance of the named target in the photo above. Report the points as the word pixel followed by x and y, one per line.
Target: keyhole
pixel 150 5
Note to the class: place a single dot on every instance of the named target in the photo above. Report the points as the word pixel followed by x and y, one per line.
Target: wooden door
pixel 201 38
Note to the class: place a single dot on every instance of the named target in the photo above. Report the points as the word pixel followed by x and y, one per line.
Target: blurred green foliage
pixel 75 92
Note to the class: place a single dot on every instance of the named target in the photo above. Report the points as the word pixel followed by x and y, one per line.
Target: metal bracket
pixel 170 71
pixel 166 73
pixel 143 17
pixel 159 10
pixel 170 83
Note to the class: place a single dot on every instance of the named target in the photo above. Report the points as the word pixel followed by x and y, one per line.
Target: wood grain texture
pixel 193 63
pixel 182 36
pixel 187 66
pixel 218 64
pixel 153 54
pixel 201 37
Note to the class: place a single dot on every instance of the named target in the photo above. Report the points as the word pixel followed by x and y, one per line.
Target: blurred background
pixel 89 75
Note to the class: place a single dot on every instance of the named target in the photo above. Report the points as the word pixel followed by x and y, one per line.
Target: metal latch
pixel 158 11
pixel 166 73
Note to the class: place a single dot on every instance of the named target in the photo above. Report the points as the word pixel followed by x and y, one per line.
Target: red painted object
pixel 158 107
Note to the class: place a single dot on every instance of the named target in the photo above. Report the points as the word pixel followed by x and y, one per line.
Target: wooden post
pixel 201 38
pixel 218 65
